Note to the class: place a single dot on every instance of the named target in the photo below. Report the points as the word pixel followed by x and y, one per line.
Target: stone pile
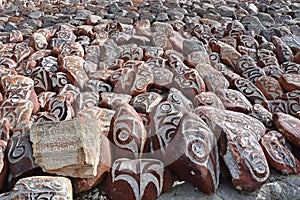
pixel 136 94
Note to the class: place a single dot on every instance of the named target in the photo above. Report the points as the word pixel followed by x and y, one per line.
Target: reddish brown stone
pixel 44 97
pixel 234 100
pixel 61 106
pixel 69 49
pixel 278 105
pixel 293 99
pixel 38 41
pixel 144 103
pixel 85 99
pixel 45 117
pixel 97 86
pixel 135 53
pixel 283 51
pixel 213 79
pixel 194 149
pixel 153 52
pixel 263 115
pixel 247 88
pixel 59 80
pixel 290 82
pixel 289 126
pixel 21 52
pixel 164 120
pixel 239 146
pixel 270 87
pixel 20 155
pixel 113 100
pixel 266 58
pixel 138 179
pixel 273 71
pixel 177 97
pixel 15 36
pixel 290 68
pixel 127 133
pixel 70 91
pixel 209 99
pixel 278 154
pixel 162 77
pixel 4 137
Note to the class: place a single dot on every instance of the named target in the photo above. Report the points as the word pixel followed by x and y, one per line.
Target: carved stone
pixel 289 126
pixel 68 148
pixel 127 133
pixel 270 87
pixel 290 82
pixel 162 77
pixel 138 179
pixel 113 100
pixel 86 99
pixel 4 137
pixel 194 149
pixel 234 100
pixel 263 115
pixel 239 146
pixel 177 97
pixel 37 187
pixel 20 156
pixel 209 99
pixel 278 154
pixel 61 106
pixel 144 103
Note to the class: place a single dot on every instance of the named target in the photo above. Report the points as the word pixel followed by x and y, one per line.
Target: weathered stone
pixel 15 36
pixel 61 106
pixel 177 97
pixel 113 100
pixel 234 100
pixel 139 179
pixel 41 187
pixel 57 148
pixel 86 99
pixel 290 82
pixel 127 133
pixel 239 146
pixel 283 51
pixel 263 115
pixel 144 103
pixel 4 137
pixel 247 88
pixel 81 185
pixel 266 58
pixel 195 149
pixel 273 71
pixel 20 156
pixel 270 87
pixel 162 77
pixel 209 99
pixel 278 154
pixel 289 126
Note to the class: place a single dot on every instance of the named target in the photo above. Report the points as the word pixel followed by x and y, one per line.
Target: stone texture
pixel 36 187
pixel 69 148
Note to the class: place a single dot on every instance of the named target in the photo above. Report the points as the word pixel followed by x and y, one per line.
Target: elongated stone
pixel 289 126
pixel 195 149
pixel 113 100
pixel 278 154
pixel 127 133
pixel 177 97
pixel 57 148
pixel 270 87
pixel 209 99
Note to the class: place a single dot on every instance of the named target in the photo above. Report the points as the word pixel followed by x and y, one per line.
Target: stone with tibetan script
pixel 4 137
pixel 290 68
pixel 177 97
pixel 164 120
pixel 42 80
pixel 293 100
pixel 17 111
pixel 44 97
pixel 290 82
pixel 289 126
pixel 270 87
pixel 247 88
pixel 212 78
pixel 86 99
pixel 144 103
pixel 134 53
pixel 61 106
pixel 73 65
pixel 153 52
pixel 127 133
pixel 277 105
pixel 266 58
pixel 68 148
pixel 273 71
pixel 239 146
pixel 162 77
pixel 209 99
pixel 283 51
pixel 104 165
pixel 278 154
pixel 59 80
pixel 194 149
pixel 70 91
pixel 138 179
pixel 97 86
pixel 39 187
pixel 38 41
pixel 234 100
pixel 190 82
pixel 263 115
pixel 103 115
pixel 229 55
pixel 15 36
pixel 194 58
pixel 69 49
pixel 21 52
pixel 45 117
pixel 113 100
pixel 20 156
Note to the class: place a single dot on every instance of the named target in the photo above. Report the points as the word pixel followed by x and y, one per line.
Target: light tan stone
pixel 68 148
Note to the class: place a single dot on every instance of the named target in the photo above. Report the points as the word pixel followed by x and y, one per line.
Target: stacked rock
pixel 134 94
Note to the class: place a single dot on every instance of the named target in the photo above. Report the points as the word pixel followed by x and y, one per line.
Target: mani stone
pixel 40 187
pixel 68 148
